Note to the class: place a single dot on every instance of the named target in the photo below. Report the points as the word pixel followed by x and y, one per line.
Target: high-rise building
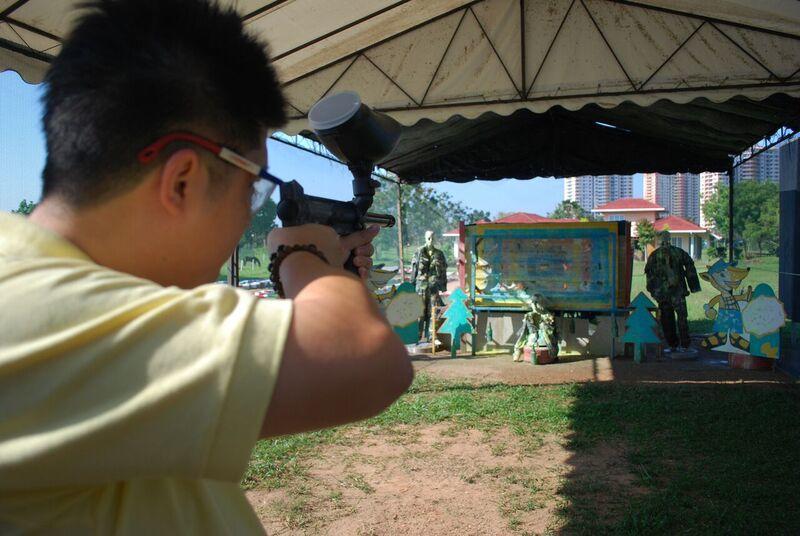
pixel 708 185
pixel 763 167
pixel 591 192
pixel 769 165
pixel 679 194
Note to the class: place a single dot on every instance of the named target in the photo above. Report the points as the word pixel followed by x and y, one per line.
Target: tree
pixel 423 208
pixel 25 207
pixel 755 203
pixel 458 316
pixel 262 223
pixel 571 210
pixel 647 234
pixel 764 232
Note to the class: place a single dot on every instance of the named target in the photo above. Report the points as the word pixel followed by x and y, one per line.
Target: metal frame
pixel 583 96
pixel 610 48
pixel 12 8
pixel 339 30
pixel 25 51
pixel 444 54
pixel 263 9
pixel 523 92
pixel 766 143
pixel 784 134
pixel 319 150
pixel 527 87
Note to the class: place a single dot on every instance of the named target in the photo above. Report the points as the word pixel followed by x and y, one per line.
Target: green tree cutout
pixel 641 328
pixel 458 318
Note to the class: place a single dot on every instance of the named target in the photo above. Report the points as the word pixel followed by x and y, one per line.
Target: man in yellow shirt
pixel 131 390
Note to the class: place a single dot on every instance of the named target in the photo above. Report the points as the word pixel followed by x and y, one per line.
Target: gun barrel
pixel 381 220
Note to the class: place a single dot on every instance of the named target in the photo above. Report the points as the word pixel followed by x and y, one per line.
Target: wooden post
pixel 432 332
pixel 400 230
pixel 730 213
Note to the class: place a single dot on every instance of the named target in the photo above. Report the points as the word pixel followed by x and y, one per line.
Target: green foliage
pixel 647 234
pixel 25 207
pixel 423 208
pixel 260 226
pixel 755 214
pixel 763 233
pixel 571 210
pixel 716 250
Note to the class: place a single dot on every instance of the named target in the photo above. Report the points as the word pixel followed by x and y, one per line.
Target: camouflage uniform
pixel 429 273
pixel 668 270
pixel 538 330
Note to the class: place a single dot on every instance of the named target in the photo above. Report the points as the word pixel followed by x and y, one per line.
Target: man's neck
pixel 111 234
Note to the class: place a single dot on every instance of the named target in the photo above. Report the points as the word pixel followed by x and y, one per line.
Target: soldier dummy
pixel 429 272
pixel 538 329
pixel 671 275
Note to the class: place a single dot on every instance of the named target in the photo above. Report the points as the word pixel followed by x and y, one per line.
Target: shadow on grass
pixel 707 459
pixel 640 458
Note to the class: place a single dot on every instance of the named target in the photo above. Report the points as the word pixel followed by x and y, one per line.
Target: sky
pixel 22 158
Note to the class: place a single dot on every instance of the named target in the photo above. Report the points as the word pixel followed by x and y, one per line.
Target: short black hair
pixel 133 70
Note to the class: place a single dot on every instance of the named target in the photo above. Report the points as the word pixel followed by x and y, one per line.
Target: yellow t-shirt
pixel 126 407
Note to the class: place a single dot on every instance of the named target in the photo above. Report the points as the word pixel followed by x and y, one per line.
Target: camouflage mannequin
pixel 538 329
pixel 429 272
pixel 668 271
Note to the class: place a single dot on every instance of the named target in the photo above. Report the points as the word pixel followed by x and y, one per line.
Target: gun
pixel 359 137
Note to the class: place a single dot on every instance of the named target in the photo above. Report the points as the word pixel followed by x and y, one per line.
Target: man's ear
pixel 182 179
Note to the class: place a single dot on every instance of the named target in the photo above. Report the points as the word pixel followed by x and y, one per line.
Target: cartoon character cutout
pixel 763 317
pixel 728 326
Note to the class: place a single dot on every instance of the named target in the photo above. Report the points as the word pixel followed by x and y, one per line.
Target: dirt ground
pixel 703 367
pixel 436 481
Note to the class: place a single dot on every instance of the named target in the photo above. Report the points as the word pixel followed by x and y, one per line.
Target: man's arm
pixel 342 361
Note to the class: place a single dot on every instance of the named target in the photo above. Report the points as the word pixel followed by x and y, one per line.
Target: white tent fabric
pixel 435 59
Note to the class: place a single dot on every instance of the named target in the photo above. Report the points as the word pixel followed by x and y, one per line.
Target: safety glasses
pixel 263 185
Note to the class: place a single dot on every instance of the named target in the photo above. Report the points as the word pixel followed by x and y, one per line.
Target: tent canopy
pixel 517 88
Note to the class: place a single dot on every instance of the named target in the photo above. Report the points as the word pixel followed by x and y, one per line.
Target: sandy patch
pixel 438 481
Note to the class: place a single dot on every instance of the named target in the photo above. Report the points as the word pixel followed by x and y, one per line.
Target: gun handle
pixel 349 266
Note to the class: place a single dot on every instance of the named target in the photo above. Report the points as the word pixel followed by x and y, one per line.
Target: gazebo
pixel 489 89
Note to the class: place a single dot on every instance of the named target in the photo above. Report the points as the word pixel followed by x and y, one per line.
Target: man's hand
pixel 335 248
pixel 360 244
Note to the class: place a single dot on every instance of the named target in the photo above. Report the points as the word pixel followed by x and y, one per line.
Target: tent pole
pixel 400 230
pixel 233 267
pixel 730 212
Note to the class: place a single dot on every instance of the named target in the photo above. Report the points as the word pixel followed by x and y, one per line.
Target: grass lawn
pixel 249 270
pixel 703 459
pixel 762 270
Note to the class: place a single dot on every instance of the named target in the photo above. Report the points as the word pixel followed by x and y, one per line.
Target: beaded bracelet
pixel 278 257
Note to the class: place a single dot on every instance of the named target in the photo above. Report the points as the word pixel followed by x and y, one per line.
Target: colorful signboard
pixel 581 266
